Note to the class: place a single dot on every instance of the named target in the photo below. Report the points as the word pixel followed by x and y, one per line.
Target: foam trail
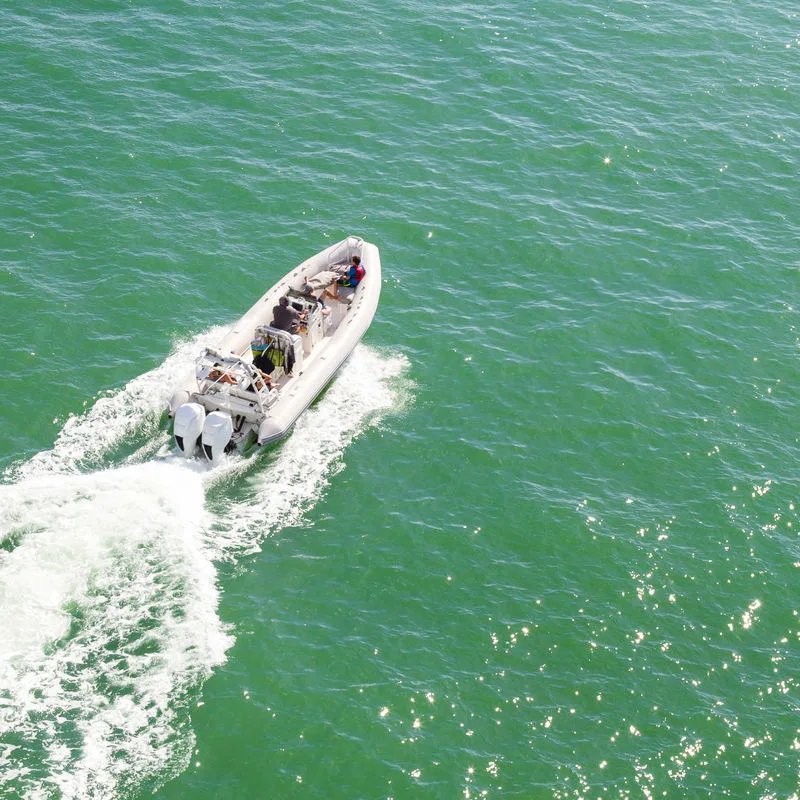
pixel 293 479
pixel 85 441
pixel 107 622
pixel 108 596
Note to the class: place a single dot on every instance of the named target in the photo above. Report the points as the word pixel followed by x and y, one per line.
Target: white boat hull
pixel 225 381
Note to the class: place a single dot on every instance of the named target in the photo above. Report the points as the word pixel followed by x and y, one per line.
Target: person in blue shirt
pixel 352 278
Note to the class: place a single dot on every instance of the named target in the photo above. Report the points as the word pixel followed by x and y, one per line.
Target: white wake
pixel 108 585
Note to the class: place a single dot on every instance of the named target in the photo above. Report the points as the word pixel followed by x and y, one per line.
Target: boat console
pixel 312 326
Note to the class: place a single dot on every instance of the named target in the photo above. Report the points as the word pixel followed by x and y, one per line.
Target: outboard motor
pixel 189 419
pixel 176 401
pixel 217 433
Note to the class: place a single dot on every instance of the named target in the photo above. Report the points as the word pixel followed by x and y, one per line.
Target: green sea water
pixel 540 537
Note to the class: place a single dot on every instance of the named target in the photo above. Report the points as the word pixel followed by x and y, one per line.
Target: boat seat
pixel 286 341
pixel 243 402
pixel 249 394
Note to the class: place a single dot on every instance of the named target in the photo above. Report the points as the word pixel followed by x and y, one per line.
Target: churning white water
pixel 108 585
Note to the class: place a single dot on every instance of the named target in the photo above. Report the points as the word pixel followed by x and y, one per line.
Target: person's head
pixel 308 288
pixel 284 301
pixel 356 260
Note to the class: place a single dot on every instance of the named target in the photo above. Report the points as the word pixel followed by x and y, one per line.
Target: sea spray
pixel 108 622
pixel 108 589
pixel 131 414
pixel 283 484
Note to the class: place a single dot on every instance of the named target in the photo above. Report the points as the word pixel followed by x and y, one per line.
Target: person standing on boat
pixel 286 318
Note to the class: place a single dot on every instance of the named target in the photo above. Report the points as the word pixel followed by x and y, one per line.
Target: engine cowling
pixel 189 419
pixel 176 401
pixel 217 433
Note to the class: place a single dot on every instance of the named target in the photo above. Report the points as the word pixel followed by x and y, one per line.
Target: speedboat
pixel 251 388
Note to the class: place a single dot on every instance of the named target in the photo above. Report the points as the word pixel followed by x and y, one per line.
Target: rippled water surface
pixel 539 539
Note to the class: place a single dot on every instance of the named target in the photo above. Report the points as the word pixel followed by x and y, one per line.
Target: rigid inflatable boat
pixel 251 388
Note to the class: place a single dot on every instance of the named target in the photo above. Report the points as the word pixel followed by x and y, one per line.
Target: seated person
pixel 308 291
pixel 286 318
pixel 262 380
pixel 352 278
pixel 218 375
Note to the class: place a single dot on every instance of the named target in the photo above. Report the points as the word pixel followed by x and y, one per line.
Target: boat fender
pixel 189 419
pixel 217 433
